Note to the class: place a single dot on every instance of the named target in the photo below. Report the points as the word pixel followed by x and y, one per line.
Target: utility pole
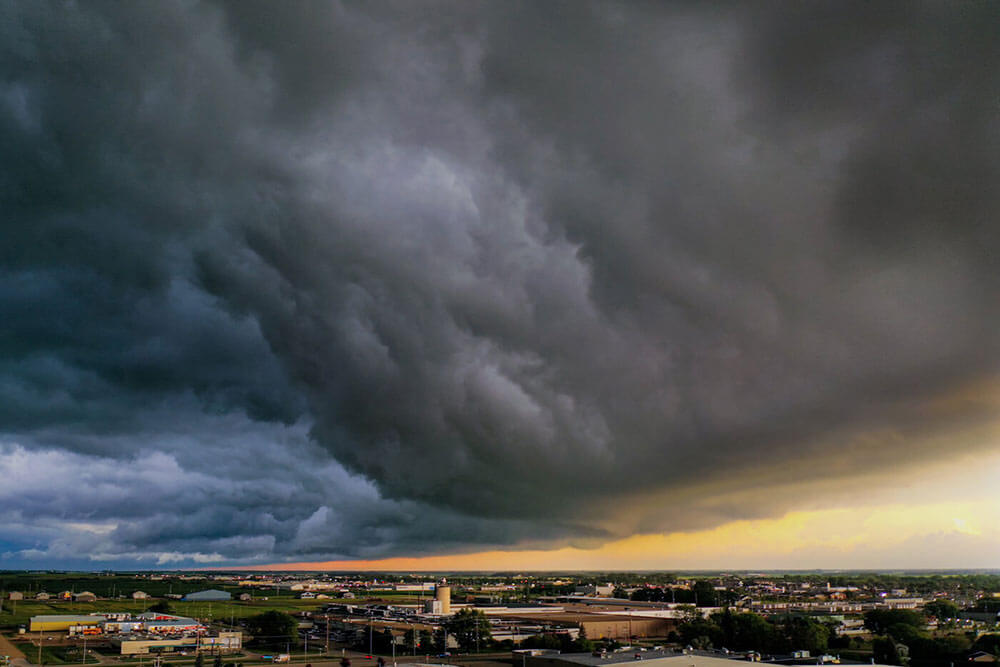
pixel 327 648
pixel 84 649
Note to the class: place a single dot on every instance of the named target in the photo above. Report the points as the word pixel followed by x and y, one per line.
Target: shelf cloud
pixel 343 280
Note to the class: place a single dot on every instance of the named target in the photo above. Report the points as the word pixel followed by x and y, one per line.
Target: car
pixel 444 655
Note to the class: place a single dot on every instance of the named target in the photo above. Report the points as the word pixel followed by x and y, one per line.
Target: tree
pixel 470 627
pixel 161 607
pixel 383 641
pixel 705 593
pixel 440 642
pixel 218 660
pixel 880 620
pixel 198 662
pixel 744 631
pixel 426 640
pixel 273 628
pixel 807 634
pixel 887 652
pixel 941 609
pixel 988 643
pixel 700 633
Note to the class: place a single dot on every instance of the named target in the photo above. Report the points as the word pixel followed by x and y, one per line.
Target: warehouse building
pixel 211 595
pixel 63 622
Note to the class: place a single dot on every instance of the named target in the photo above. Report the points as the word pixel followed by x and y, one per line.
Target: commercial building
pixel 224 642
pixel 63 622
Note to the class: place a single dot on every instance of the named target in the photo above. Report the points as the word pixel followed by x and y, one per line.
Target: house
pixel 140 595
pixel 42 595
pixel 211 595
pixel 84 596
pixel 16 595
pixel 246 597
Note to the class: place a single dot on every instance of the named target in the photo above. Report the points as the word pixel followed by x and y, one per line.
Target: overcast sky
pixel 324 281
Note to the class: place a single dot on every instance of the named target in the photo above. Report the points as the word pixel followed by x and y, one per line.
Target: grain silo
pixel 443 595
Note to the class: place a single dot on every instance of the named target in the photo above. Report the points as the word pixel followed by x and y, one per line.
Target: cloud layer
pixel 341 280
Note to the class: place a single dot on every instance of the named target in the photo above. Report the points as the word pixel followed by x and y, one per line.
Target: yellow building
pixel 59 622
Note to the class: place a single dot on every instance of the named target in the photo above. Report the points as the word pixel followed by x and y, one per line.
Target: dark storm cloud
pixel 336 279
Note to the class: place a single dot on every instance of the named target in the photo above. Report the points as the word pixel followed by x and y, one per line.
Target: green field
pixel 51 655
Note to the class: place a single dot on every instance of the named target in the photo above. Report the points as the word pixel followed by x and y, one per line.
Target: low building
pixel 211 595
pixel 61 622
pixel 42 595
pixel 84 596
pixel 16 595
pixel 140 595
pixel 224 642
pixel 245 597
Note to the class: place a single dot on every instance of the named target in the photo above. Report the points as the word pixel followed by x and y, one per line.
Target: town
pixel 531 620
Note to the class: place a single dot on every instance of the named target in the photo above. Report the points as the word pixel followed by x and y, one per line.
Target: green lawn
pixel 51 655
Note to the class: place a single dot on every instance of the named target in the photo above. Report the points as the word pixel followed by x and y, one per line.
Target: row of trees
pixel 901 639
pixel 701 594
pixel 752 632
pixel 470 629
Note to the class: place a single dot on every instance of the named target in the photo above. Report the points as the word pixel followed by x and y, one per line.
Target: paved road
pixel 17 658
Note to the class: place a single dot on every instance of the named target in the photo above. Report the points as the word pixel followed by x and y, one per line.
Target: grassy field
pixel 51 655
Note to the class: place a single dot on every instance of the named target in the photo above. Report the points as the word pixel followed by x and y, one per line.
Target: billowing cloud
pixel 345 280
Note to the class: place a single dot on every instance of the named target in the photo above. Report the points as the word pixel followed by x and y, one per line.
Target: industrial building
pixel 211 595
pixel 224 642
pixel 63 622
pixel 116 623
